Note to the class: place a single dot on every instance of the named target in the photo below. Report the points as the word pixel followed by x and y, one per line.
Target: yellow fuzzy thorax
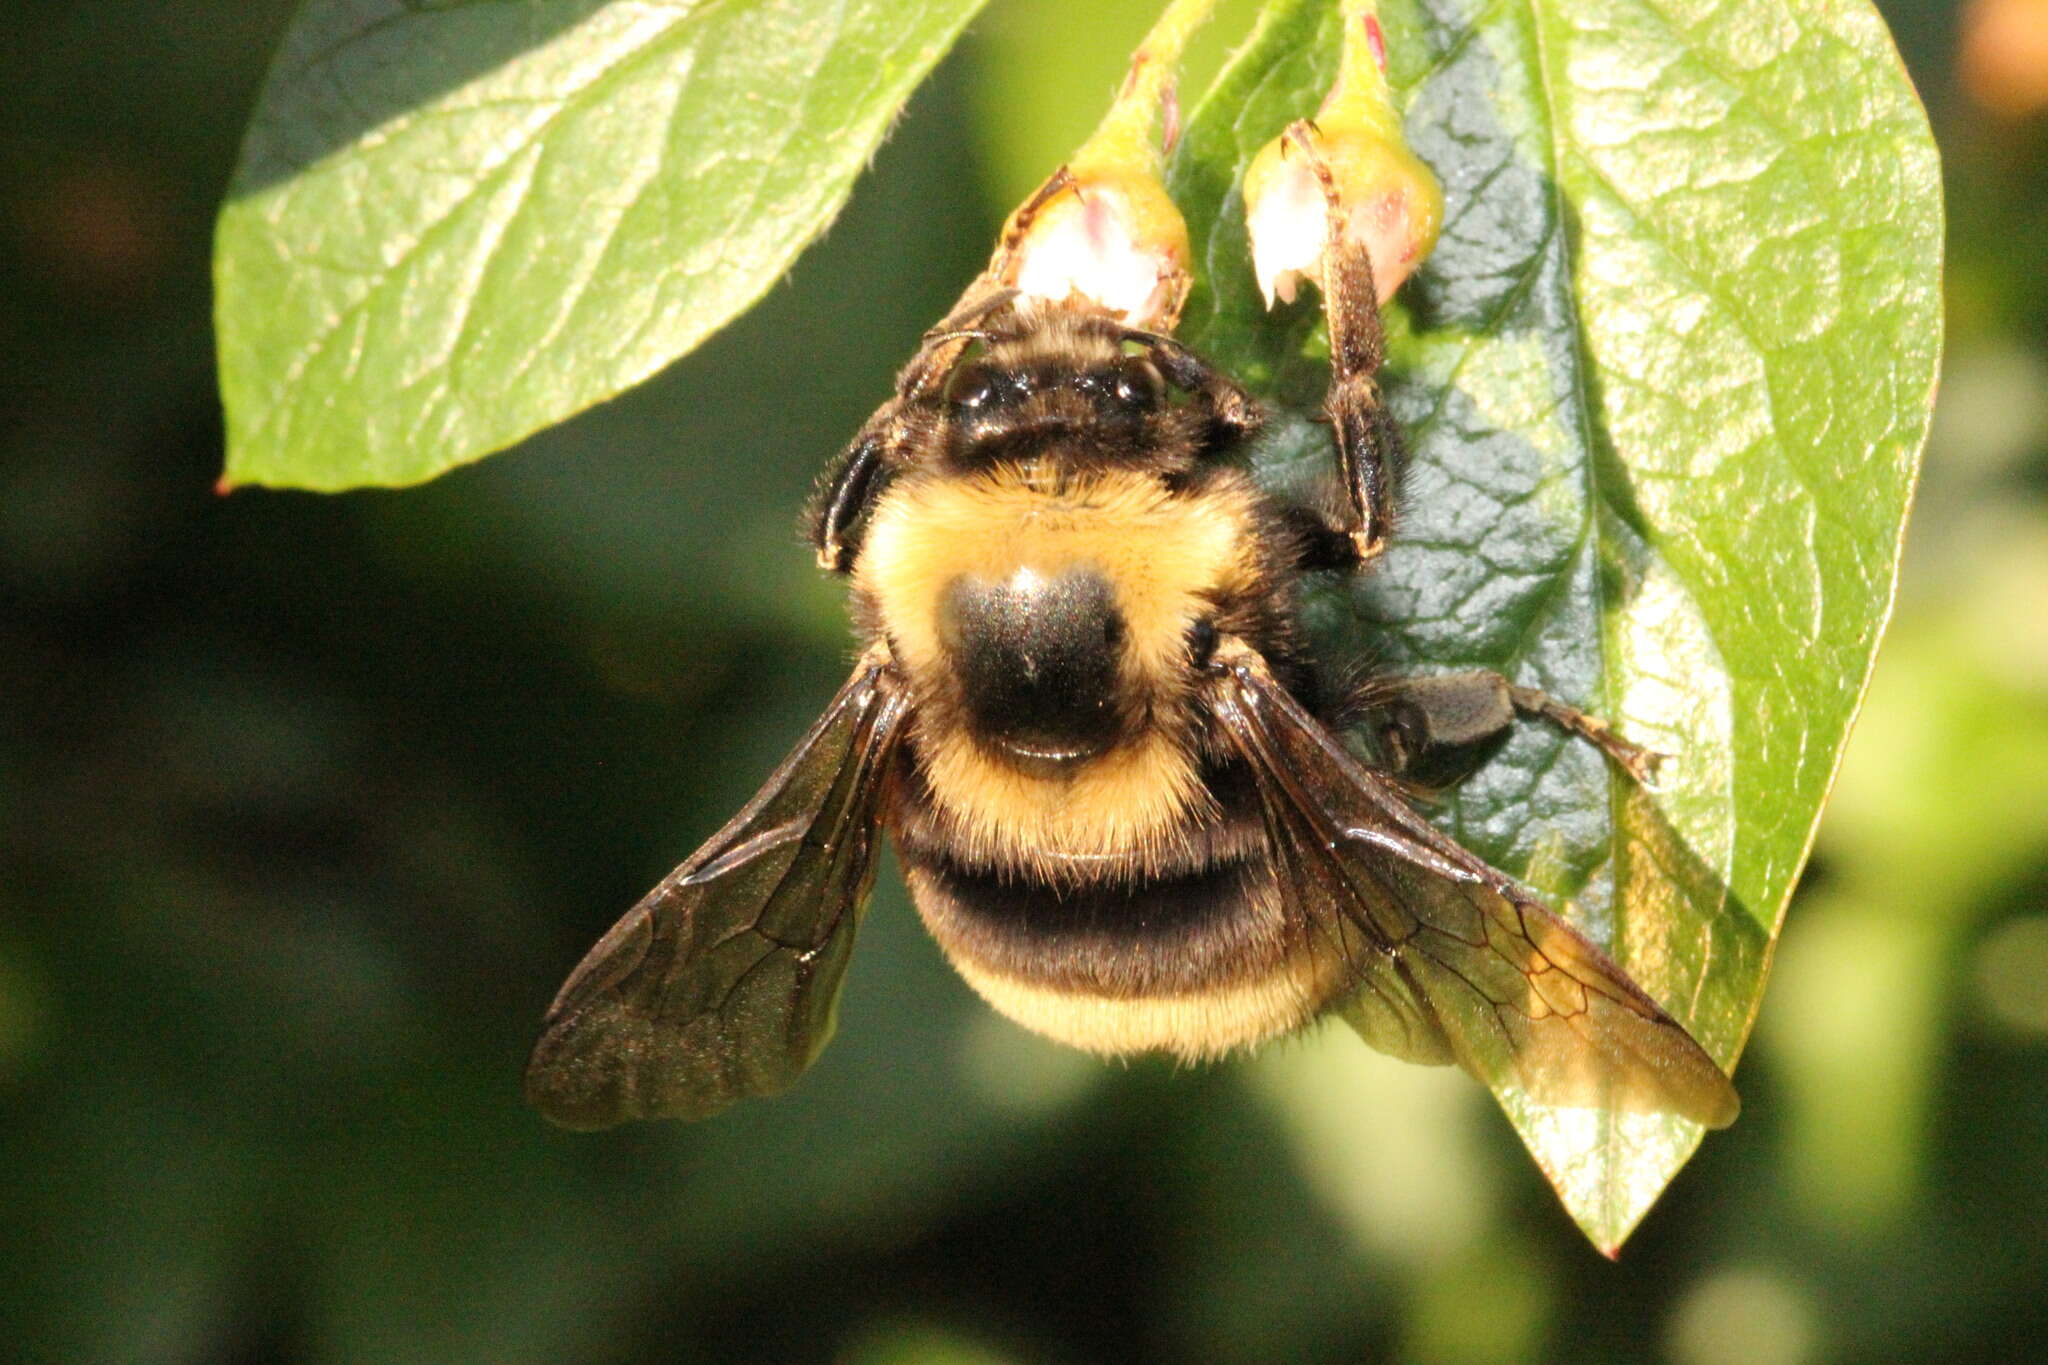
pixel 1168 556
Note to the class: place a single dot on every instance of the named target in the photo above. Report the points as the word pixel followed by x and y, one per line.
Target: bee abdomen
pixel 1196 963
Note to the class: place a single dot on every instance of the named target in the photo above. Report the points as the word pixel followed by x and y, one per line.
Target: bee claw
pixel 1644 765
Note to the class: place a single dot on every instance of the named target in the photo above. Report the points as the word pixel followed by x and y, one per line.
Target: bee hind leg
pixel 1320 541
pixel 1638 762
pixel 1437 730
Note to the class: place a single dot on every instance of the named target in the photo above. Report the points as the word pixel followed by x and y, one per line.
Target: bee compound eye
pixel 1138 384
pixel 975 388
pixel 1202 642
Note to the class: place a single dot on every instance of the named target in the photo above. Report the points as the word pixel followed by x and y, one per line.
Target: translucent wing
pixel 1455 961
pixel 724 982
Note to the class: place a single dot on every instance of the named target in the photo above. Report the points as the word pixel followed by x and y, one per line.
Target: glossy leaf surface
pixel 1665 383
pixel 457 223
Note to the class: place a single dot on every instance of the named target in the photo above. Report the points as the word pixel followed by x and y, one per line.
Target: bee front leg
pixel 993 290
pixel 1368 442
pixel 1437 730
pixel 850 483
pixel 858 474
pixel 1235 413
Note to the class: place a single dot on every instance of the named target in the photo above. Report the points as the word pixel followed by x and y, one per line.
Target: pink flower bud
pixel 1388 200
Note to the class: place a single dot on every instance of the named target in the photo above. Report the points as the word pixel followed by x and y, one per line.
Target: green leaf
pixel 456 222
pixel 1665 383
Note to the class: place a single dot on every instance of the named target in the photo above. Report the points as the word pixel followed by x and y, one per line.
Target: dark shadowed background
pixel 308 803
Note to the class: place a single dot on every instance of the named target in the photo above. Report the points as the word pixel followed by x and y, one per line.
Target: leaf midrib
pixel 1614 1202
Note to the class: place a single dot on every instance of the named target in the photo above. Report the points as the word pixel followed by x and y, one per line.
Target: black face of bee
pixel 1018 396
pixel 1037 658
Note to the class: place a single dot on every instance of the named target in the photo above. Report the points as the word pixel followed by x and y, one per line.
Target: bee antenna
pixel 960 334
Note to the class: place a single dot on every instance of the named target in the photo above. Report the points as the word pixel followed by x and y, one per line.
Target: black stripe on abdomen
pixel 1215 926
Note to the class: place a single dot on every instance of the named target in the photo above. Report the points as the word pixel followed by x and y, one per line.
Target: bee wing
pixel 723 983
pixel 1455 961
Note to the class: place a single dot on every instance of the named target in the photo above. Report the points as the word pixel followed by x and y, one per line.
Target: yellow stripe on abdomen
pixel 1193 1026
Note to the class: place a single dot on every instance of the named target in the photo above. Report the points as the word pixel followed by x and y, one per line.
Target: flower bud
pixel 1386 199
pixel 1112 241
pixel 1103 234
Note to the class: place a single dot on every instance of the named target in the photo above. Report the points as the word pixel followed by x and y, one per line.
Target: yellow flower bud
pixel 1102 233
pixel 1387 200
pixel 1111 241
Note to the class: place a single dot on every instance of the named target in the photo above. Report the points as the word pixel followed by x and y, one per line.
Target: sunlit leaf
pixel 457 223
pixel 1665 382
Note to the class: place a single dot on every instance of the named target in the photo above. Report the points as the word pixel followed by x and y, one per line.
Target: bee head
pixel 1071 385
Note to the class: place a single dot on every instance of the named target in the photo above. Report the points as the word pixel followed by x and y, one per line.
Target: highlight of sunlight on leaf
pixel 1676 697
pixel 455 225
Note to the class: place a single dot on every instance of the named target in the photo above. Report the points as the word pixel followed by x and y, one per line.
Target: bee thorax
pixel 1037 657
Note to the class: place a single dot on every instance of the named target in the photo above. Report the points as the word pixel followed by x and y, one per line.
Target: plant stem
pixel 1126 135
pixel 1360 92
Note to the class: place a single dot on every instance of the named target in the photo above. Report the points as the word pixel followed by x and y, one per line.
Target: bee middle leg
pixel 1437 730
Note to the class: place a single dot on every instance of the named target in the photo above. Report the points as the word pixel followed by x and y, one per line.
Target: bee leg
pixel 1019 226
pixel 1437 730
pixel 1635 760
pixel 1368 442
pixel 850 483
pixel 859 473
pixel 1319 542
pixel 924 378
pixel 1235 413
pixel 988 294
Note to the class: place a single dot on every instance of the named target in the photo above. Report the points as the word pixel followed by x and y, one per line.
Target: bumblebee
pixel 1112 773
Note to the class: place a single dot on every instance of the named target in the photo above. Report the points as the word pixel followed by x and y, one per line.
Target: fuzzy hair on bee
pixel 1048 575
pixel 1113 774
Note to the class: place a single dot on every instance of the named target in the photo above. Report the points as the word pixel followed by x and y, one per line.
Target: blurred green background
pixel 307 804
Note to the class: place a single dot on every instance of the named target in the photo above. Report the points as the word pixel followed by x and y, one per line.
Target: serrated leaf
pixel 458 222
pixel 1665 383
